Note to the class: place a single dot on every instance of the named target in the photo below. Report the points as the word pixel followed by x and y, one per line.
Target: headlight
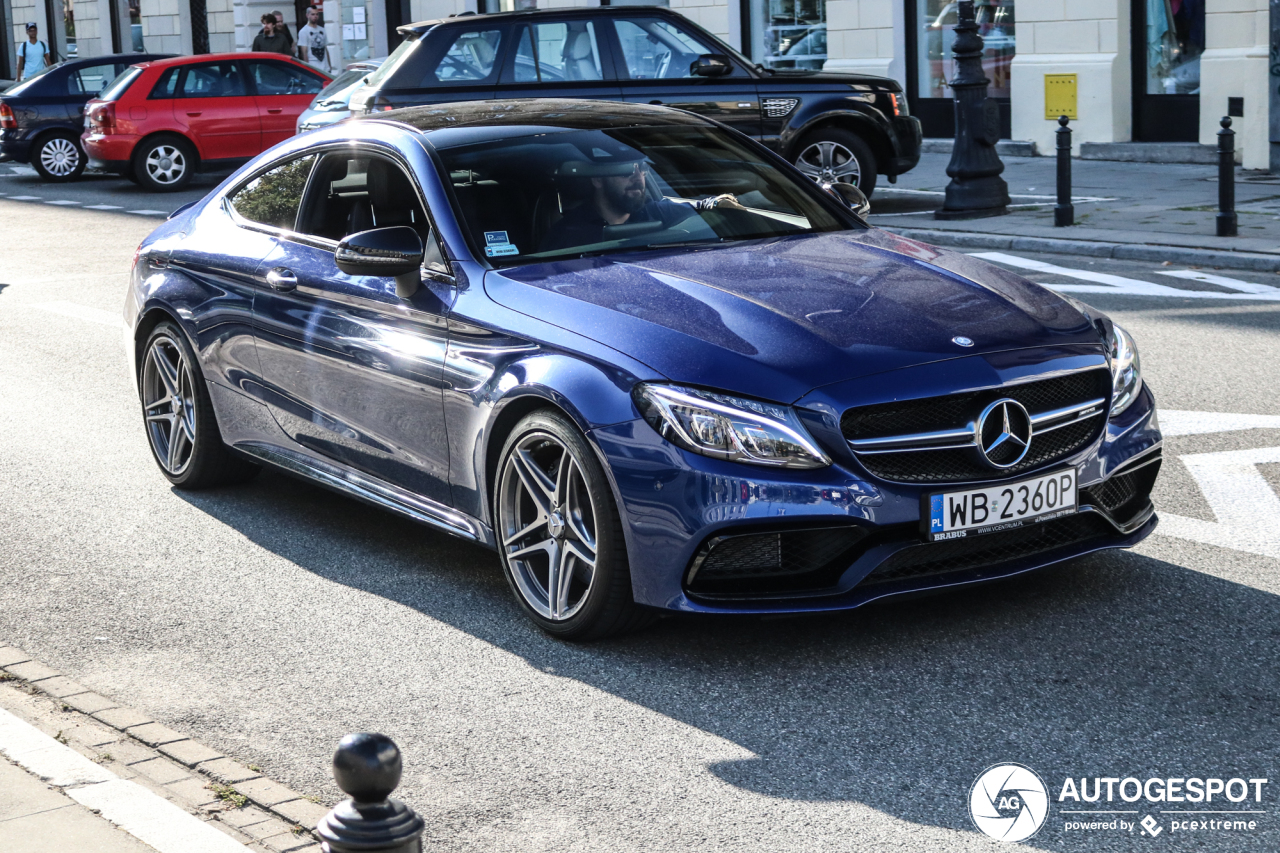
pixel 729 427
pixel 1126 369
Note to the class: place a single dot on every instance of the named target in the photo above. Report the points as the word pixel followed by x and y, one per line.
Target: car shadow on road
pixel 1115 665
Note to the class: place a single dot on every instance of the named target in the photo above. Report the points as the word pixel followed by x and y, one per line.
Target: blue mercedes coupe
pixel 645 359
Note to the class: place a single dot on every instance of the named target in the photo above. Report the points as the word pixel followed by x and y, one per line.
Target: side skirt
pixel 371 490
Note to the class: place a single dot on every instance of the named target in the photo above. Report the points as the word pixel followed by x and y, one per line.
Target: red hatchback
pixel 160 122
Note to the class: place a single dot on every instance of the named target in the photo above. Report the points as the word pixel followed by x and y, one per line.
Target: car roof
pixel 214 57
pixel 565 113
pixel 560 12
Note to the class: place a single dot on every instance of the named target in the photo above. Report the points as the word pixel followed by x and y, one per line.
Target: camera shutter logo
pixel 1008 802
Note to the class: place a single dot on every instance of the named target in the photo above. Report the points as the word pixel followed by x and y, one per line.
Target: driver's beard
pixel 621 201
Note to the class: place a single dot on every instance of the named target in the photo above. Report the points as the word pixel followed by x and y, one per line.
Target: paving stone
pixel 311 848
pixel 303 812
pixel 194 791
pixel 9 656
pixel 154 734
pixel 189 752
pixel 122 718
pixel 159 770
pixel 266 829
pixel 59 686
pixel 286 842
pixel 246 816
pixel 89 703
pixel 91 735
pixel 227 771
pixel 130 752
pixel 265 792
pixel 31 671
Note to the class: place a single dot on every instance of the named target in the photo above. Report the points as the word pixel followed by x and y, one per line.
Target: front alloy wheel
pixel 559 533
pixel 833 155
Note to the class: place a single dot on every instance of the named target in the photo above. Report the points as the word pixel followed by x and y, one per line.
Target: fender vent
pixel 778 107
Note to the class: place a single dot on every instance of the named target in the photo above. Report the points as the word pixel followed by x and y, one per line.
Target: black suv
pixel 42 117
pixel 835 127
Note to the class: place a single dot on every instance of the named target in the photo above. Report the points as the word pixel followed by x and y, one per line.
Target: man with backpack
pixel 33 56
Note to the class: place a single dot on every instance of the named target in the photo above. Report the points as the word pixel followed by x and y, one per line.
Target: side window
pixel 166 86
pixel 282 78
pixel 273 198
pixel 551 52
pixel 469 58
pixel 213 80
pixel 654 49
pixel 90 80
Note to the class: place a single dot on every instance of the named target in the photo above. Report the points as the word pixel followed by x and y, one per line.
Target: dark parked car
pixel 42 117
pixel 835 127
pixel 647 361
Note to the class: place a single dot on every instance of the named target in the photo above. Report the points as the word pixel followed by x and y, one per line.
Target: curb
pixel 151 741
pixel 1251 261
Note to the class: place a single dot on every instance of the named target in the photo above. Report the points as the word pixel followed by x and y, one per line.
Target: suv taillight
pixel 6 116
pixel 102 117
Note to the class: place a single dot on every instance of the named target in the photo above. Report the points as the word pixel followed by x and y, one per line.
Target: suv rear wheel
pixel 832 155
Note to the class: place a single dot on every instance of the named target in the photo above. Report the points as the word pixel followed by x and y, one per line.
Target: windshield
pixel 34 81
pixel 394 61
pixel 345 80
pixel 117 87
pixel 570 193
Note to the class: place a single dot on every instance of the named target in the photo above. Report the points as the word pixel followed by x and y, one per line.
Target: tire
pixel 834 154
pixel 164 164
pixel 178 416
pixel 549 514
pixel 58 157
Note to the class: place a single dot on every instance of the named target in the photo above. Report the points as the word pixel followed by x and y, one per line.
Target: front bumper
pixel 675 506
pixel 910 138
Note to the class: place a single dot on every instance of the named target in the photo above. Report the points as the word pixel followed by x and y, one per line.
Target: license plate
pixel 953 515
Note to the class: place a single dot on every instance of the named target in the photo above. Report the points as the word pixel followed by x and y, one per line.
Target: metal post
pixel 976 188
pixel 1226 179
pixel 367 767
pixel 1064 212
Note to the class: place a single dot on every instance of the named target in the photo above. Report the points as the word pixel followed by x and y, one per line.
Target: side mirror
pixel 711 65
pixel 852 197
pixel 394 252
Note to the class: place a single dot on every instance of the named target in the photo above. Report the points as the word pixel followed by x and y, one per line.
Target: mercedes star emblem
pixel 1003 433
pixel 962 341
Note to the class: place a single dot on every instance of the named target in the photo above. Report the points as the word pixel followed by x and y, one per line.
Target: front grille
pixel 989 549
pixel 778 561
pixel 957 411
pixel 1124 495
pixel 778 107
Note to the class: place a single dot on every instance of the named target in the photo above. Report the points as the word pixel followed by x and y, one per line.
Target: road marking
pixel 102 207
pixel 151 212
pixel 146 816
pixel 62 202
pixel 1247 509
pixel 1220 280
pixel 1175 422
pixel 892 190
pixel 1118 284
pixel 82 312
pixel 24 198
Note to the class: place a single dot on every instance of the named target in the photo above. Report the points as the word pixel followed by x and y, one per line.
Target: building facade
pixel 1129 70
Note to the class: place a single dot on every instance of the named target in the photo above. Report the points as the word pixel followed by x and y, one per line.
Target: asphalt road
pixel 268 620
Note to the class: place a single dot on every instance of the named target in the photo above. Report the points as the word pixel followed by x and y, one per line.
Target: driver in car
pixel 618 197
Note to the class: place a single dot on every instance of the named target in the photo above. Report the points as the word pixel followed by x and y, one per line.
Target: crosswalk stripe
pixel 24 198
pixel 102 207
pixel 151 212
pixel 62 202
pixel 1220 280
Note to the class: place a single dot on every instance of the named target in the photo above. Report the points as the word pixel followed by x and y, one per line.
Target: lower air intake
pixel 786 561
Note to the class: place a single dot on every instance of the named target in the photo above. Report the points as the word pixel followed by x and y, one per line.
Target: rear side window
pixel 273 198
pixel 121 84
pixel 562 50
pixel 166 86
pixel 90 80
pixel 281 78
pixel 213 80
pixel 451 57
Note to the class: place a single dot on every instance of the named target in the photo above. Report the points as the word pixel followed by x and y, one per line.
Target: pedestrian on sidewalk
pixel 270 40
pixel 313 44
pixel 33 56
pixel 282 27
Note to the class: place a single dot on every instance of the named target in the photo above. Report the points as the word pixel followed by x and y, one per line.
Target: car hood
pixel 778 318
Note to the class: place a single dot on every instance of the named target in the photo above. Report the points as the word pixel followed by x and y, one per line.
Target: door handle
pixel 282 279
pixel 656 103
pixel 276 111
pixel 193 115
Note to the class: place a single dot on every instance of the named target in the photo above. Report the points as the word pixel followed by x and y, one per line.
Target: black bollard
pixel 1226 179
pixel 976 188
pixel 1064 212
pixel 367 767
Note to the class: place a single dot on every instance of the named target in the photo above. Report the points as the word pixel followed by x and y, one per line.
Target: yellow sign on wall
pixel 1060 96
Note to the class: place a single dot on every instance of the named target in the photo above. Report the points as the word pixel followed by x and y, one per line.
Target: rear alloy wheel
pixel 832 155
pixel 58 158
pixel 560 535
pixel 164 165
pixel 180 423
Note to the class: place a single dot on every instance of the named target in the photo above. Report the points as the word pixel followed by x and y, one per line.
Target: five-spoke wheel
pixel 559 532
pixel 833 155
pixel 58 158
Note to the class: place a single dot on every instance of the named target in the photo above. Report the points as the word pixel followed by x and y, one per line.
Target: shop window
pixel 355 31
pixel 935 63
pixel 1175 40
pixel 789 33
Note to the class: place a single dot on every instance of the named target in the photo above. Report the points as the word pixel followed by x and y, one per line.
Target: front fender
pixel 868 122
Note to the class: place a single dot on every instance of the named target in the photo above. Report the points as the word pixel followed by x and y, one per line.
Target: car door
pixel 353 372
pixel 282 90
pixel 654 54
pixel 213 103
pixel 559 59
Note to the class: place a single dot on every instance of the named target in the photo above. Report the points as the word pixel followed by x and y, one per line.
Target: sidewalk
pixel 1141 211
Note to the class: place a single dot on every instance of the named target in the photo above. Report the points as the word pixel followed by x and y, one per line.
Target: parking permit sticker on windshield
pixel 497 244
